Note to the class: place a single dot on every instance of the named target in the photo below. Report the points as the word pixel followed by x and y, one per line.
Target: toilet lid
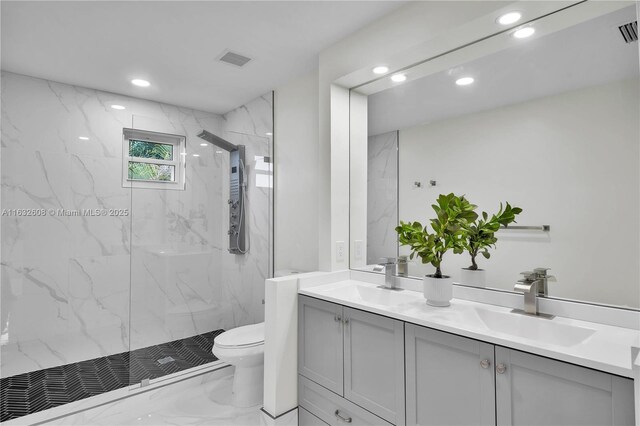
pixel 248 335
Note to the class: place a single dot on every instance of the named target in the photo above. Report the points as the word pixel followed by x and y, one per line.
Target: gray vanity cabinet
pixel 361 368
pixel 374 364
pixel 450 379
pixel 320 340
pixel 532 390
pixel 357 355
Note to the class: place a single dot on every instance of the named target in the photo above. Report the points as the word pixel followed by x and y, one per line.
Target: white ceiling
pixel 587 54
pixel 174 44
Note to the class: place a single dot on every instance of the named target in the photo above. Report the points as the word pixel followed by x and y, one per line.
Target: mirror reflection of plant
pixel 480 233
pixel 453 213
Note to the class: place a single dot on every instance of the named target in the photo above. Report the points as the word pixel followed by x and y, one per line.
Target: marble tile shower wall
pixel 382 196
pixel 252 125
pixel 75 287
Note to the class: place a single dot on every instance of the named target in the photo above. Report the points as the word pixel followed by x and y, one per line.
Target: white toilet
pixel 243 347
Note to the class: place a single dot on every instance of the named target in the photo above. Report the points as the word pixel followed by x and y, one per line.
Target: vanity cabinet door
pixel 374 364
pixel 450 379
pixel 533 390
pixel 320 351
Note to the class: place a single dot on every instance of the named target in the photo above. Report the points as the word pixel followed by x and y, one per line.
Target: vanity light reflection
pixel 140 82
pixel 524 32
pixel 465 81
pixel 509 18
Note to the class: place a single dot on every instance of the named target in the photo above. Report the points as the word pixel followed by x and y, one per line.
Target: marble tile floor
pixel 207 401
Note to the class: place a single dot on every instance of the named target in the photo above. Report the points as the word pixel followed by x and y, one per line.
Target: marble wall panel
pixel 77 287
pixel 382 196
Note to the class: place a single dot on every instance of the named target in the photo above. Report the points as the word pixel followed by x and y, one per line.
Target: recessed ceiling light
pixel 269 134
pixel 381 70
pixel 509 18
pixel 524 32
pixel 119 107
pixel 83 138
pixel 140 83
pixel 204 144
pixel 196 155
pixel 464 81
pixel 398 78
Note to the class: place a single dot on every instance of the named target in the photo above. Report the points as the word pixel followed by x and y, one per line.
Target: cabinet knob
pixel 346 321
pixel 337 318
pixel 339 417
pixel 485 363
pixel 501 368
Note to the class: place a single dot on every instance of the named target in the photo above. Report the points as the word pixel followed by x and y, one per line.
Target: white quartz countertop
pixel 601 347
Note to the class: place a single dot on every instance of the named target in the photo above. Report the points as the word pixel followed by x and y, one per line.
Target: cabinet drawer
pixel 331 408
pixel 305 418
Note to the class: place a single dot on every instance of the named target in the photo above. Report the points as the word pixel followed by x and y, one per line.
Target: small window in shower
pixel 153 160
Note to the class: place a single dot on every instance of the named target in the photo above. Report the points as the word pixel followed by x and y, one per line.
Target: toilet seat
pixel 242 337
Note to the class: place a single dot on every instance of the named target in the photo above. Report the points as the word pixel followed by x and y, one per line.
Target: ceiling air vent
pixel 629 31
pixel 234 58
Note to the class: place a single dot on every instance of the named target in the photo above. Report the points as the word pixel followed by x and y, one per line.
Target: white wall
pixel 571 161
pixel 296 175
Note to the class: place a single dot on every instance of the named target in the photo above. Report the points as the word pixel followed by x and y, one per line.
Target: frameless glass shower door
pixel 187 287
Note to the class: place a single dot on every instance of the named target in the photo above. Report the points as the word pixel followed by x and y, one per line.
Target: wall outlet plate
pixel 340 249
pixel 358 247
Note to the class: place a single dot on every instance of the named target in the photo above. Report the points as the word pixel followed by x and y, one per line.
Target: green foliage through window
pixel 147 171
pixel 146 149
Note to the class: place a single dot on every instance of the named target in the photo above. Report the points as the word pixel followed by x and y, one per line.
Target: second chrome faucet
pixel 391 267
pixel 533 284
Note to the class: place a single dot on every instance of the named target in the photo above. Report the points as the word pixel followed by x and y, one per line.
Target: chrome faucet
pixel 533 284
pixel 388 265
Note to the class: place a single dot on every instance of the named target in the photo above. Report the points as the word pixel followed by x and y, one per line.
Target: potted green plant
pixel 479 237
pixel 453 213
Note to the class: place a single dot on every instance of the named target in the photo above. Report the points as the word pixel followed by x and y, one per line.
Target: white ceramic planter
pixel 477 278
pixel 438 291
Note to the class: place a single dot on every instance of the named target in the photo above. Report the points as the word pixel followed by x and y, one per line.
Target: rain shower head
pixel 217 141
pixel 237 191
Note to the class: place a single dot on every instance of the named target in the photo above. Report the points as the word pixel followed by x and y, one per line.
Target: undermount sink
pixel 382 296
pixel 546 330
pixel 372 295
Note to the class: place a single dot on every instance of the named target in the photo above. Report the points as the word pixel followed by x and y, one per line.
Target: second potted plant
pixel 479 237
pixel 453 213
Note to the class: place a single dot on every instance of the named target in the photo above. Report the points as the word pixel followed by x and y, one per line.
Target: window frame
pixel 178 142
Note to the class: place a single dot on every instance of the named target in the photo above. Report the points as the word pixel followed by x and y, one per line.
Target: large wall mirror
pixel 550 123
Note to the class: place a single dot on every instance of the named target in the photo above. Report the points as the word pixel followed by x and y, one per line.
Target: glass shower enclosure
pixel 115 262
pixel 189 280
